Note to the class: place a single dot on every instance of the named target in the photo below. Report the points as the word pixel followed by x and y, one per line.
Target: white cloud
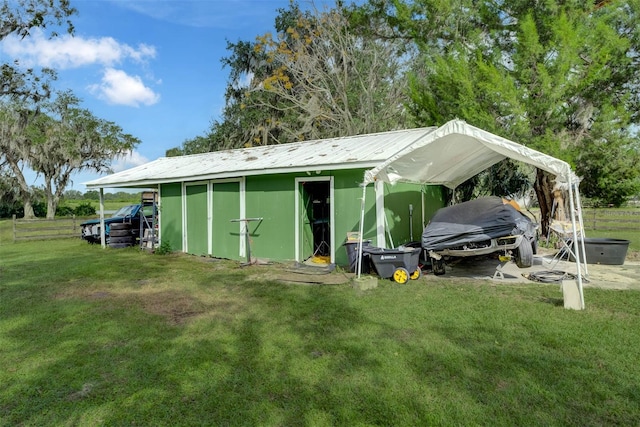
pixel 129 160
pixel 67 52
pixel 117 87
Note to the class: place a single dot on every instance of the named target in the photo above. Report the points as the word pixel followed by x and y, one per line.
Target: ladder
pixel 148 220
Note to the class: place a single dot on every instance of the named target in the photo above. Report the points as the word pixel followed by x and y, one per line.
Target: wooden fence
pixel 41 229
pixel 608 219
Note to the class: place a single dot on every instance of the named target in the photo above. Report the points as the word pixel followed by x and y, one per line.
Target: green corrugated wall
pixel 197 220
pixel 273 198
pixel 398 198
pixel 225 207
pixel 171 216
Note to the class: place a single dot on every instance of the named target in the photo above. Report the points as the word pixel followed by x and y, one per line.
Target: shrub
pixel 39 209
pixel 65 210
pixel 85 209
pixel 163 249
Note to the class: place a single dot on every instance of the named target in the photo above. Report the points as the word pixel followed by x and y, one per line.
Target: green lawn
pixel 610 219
pixel 119 337
pixel 632 236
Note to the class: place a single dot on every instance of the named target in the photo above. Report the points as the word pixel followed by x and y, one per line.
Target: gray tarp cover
pixel 473 221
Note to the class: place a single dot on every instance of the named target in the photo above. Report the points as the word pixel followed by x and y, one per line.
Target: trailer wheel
pixel 401 275
pixel 416 274
pixel 524 254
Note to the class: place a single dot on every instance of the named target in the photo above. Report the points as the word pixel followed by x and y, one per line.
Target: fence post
pixel 14 228
pixel 595 214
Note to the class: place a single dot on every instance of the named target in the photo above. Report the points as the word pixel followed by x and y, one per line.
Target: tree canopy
pixel 52 137
pixel 21 17
pixel 26 85
pixel 58 140
pixel 67 139
pixel 560 76
pixel 313 78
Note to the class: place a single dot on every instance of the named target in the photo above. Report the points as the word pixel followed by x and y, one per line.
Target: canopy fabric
pixel 456 152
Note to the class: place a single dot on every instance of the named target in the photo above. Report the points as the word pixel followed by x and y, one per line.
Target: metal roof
pixel 361 151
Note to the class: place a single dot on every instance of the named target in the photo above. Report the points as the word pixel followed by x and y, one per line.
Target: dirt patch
pixel 300 274
pixel 175 306
pixel 303 279
pixel 626 276
pixel 633 256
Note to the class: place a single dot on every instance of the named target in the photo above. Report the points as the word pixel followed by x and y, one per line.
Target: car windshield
pixel 124 211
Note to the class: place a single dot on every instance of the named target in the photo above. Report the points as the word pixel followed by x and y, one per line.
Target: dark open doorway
pixel 317 212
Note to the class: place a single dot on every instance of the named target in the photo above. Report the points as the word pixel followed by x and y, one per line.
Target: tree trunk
pixel 28 208
pixel 544 191
pixel 52 202
pixel 558 197
pixel 25 194
pixel 51 208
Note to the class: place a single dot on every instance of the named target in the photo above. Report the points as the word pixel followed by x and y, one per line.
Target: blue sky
pixel 151 66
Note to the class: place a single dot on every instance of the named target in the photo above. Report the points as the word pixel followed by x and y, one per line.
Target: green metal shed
pixel 284 202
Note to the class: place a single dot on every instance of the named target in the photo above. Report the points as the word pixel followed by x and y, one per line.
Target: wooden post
pixel 14 228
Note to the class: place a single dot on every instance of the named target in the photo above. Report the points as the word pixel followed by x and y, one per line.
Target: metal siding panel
pixel 197 224
pixel 171 215
pixel 347 202
pixel 396 202
pixel 225 207
pixel 271 198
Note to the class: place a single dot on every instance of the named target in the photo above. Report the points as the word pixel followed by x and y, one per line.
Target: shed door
pixel 315 218
pixel 197 223
pixel 226 206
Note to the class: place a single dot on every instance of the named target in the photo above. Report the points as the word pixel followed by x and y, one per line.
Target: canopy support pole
pixel 581 223
pixel 580 251
pixel 103 240
pixel 361 231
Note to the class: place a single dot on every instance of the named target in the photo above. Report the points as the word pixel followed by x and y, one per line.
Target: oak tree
pixel 558 76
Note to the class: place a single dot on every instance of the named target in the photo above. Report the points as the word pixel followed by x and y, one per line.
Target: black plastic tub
pixel 352 254
pixel 604 250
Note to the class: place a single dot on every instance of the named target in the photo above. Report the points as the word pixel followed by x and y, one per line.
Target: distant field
pixel 622 223
pixel 6 225
pixel 108 205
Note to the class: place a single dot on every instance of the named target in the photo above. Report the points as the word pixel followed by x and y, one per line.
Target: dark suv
pixel 127 214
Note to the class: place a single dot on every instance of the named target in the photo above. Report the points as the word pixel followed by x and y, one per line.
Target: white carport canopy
pixel 457 151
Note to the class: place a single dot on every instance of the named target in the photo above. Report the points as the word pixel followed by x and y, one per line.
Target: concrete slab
pixel 626 276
